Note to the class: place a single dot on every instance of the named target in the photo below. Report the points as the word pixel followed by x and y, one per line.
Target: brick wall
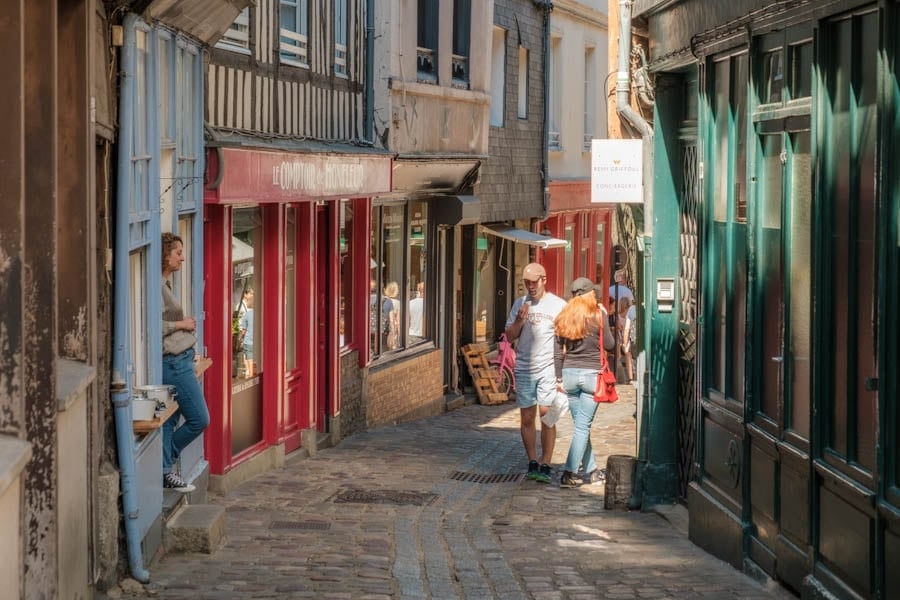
pixel 407 390
pixel 353 410
pixel 511 185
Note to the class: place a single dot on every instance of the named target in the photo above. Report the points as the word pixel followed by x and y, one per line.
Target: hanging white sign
pixel 617 171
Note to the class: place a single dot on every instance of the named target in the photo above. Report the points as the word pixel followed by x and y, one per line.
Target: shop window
pixel 462 27
pixel 850 186
pixel 290 290
pixel 785 73
pixel 599 251
pixel 184 276
pixel 246 296
pixel 486 259
pixel 569 258
pixel 294 32
pixel 427 41
pixel 400 261
pixel 237 37
pixel 346 223
pixel 340 37
pixel 498 76
pixel 137 317
pixel 728 259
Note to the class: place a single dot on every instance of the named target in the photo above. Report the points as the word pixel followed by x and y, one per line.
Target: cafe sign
pixel 266 176
pixel 617 171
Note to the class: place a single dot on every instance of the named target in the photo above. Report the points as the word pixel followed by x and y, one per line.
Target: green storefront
pixel 776 185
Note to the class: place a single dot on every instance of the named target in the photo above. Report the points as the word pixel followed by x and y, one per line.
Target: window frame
pixel 462 43
pixel 730 235
pixel 236 39
pixel 377 353
pixel 341 38
pixel 427 40
pixel 294 45
pixel 497 108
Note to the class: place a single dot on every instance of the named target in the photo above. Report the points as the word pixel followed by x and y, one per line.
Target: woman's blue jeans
pixel 579 385
pixel 178 370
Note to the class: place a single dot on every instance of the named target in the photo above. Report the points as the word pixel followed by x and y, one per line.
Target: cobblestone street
pixel 438 508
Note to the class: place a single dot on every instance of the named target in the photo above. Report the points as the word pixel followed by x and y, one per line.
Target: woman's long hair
pixel 573 320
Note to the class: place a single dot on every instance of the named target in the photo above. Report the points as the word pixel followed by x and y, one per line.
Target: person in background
pixel 416 314
pixel 579 328
pixel 621 320
pixel 629 337
pixel 178 369
pixel 391 314
pixel 531 322
pixel 246 327
pixel 619 290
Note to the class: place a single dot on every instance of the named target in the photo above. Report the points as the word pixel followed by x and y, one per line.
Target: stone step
pixel 196 528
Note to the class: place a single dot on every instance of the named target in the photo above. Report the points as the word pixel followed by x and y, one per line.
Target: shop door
pixel 247 329
pixel 780 420
pixel 294 381
pixel 322 318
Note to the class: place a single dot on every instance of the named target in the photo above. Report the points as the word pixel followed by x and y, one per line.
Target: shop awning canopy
pixel 524 237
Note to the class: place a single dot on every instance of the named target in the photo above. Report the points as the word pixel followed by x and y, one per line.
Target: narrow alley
pixel 439 508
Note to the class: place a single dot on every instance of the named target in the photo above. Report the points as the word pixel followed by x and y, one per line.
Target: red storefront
pixel 286 290
pixel 586 227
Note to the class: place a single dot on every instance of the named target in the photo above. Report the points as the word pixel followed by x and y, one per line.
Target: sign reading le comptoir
pixel 265 176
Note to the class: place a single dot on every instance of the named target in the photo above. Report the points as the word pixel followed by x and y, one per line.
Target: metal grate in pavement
pixel 486 477
pixel 310 525
pixel 356 496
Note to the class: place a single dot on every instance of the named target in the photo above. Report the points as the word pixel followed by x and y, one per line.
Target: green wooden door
pixel 779 423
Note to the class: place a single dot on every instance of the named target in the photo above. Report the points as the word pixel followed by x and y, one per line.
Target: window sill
pixel 14 455
pixel 72 378
pixel 294 63
pixel 390 359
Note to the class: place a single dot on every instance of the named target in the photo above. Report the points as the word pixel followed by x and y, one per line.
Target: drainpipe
pixel 369 117
pixel 545 6
pixel 635 120
pixel 119 389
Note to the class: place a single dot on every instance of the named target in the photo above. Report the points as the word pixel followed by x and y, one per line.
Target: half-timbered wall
pixel 257 92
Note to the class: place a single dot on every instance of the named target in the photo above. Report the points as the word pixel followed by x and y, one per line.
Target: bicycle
pixel 506 363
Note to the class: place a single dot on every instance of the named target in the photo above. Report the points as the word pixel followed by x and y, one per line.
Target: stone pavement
pixel 438 509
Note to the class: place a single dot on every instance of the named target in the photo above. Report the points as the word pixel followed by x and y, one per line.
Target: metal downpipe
pixel 120 392
pixel 635 120
pixel 545 6
pixel 369 117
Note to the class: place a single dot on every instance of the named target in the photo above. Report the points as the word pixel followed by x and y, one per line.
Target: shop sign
pixel 263 176
pixel 617 171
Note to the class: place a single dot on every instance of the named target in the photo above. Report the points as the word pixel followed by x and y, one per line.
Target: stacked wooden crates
pixel 484 375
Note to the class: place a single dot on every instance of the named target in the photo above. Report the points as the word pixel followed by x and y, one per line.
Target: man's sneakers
pixel 171 481
pixel 538 472
pixel 543 474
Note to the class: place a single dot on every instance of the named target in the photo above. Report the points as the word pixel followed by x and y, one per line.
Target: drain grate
pixel 307 525
pixel 486 477
pixel 383 497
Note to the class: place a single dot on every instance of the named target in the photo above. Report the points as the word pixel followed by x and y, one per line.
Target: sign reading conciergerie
pixel 617 171
pixel 264 176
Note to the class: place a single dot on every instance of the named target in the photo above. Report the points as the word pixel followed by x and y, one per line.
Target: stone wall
pixel 353 409
pixel 511 186
pixel 406 390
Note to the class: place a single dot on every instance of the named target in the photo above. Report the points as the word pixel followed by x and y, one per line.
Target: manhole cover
pixel 486 477
pixel 384 497
pixel 309 525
